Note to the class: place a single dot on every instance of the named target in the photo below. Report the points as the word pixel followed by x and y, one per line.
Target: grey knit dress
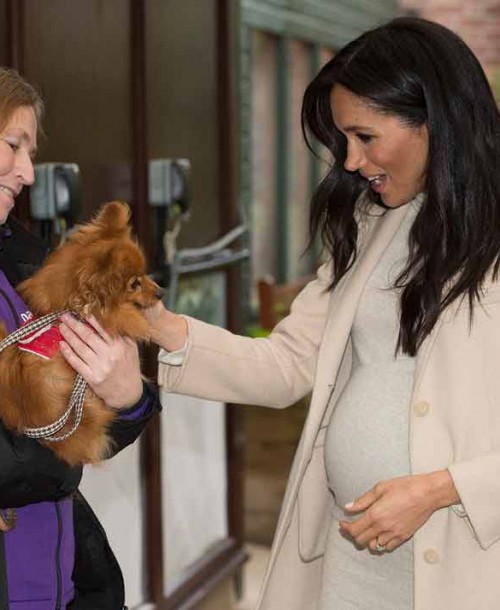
pixel 367 441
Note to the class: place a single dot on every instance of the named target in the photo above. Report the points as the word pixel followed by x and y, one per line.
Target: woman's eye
pixel 13 145
pixel 364 137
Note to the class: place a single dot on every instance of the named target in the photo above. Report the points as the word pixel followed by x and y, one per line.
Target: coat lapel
pixel 342 311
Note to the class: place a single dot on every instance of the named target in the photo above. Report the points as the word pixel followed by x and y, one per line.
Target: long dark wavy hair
pixel 422 73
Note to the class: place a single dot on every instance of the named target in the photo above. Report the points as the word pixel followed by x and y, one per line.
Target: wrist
pixel 443 490
pixel 168 330
pixel 138 408
pixel 134 395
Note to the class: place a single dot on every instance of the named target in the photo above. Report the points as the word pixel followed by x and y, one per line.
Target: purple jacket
pixel 40 550
pixel 44 530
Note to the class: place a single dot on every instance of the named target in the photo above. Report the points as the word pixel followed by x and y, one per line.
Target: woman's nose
pixel 26 170
pixel 354 159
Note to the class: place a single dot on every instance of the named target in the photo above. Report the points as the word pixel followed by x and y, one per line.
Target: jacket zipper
pixel 58 557
pixel 13 311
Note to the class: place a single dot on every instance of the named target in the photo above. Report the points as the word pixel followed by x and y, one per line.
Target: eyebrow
pixel 351 128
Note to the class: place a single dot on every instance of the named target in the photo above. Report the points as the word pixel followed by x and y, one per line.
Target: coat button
pixel 459 509
pixel 431 556
pixel 421 408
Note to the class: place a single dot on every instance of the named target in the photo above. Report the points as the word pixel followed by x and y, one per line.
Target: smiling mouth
pixel 8 191
pixel 376 180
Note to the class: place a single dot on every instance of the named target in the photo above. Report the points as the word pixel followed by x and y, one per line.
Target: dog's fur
pixel 100 270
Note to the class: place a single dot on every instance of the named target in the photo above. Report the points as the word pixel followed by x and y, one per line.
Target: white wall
pixel 113 489
pixel 194 481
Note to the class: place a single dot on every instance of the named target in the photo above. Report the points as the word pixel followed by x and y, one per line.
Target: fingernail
pixel 349 505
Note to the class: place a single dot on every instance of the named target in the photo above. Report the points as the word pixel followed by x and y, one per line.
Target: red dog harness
pixel 30 330
pixel 43 342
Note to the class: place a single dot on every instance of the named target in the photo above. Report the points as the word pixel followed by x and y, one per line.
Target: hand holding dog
pixel 100 274
pixel 109 365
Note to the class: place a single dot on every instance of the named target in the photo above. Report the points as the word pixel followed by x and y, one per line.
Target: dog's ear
pixel 113 218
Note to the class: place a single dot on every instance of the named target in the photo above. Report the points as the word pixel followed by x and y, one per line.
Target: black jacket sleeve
pixel 125 431
pixel 30 472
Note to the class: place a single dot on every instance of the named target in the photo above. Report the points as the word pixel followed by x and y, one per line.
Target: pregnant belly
pixel 367 439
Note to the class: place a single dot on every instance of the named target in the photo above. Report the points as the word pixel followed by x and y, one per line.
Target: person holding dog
pixel 53 551
pixel 394 495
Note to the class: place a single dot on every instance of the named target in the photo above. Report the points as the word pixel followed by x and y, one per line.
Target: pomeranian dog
pixel 101 271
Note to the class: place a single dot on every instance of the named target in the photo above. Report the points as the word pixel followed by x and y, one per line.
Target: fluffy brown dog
pixel 100 270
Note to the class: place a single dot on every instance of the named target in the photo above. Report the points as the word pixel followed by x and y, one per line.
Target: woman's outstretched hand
pixel 394 510
pixel 168 329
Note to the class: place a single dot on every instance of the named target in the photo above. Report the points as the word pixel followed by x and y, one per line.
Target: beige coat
pixel 454 423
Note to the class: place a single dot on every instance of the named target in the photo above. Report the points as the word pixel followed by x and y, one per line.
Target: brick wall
pixel 476 21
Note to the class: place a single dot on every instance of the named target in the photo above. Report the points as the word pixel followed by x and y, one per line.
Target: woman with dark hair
pixel 393 499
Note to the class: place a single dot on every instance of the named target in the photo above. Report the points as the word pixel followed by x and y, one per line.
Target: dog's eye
pixel 135 284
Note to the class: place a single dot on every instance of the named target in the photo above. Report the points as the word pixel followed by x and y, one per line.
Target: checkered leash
pixel 77 395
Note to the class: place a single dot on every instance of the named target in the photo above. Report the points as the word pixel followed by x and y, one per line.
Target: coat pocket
pixel 314 505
